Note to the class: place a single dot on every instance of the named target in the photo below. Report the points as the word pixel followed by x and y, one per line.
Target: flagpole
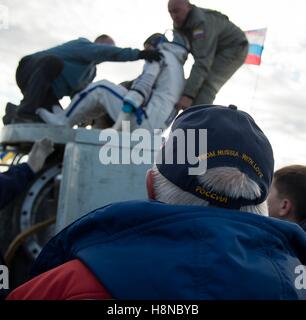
pixel 253 98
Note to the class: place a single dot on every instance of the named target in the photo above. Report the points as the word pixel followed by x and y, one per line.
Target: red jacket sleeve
pixel 70 281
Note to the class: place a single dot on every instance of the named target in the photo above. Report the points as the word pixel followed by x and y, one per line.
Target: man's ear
pixel 286 207
pixel 150 186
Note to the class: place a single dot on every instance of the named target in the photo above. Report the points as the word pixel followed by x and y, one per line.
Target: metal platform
pixel 21 133
pixel 86 184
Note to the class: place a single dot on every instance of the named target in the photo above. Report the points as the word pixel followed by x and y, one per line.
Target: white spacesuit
pixel 157 90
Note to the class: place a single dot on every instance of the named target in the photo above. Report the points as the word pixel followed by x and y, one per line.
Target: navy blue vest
pixel 150 250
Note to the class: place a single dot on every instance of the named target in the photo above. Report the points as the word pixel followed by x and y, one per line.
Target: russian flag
pixel 256 40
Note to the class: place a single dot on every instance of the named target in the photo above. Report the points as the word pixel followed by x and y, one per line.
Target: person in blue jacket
pixel 47 76
pixel 208 236
pixel 17 178
pixel 14 180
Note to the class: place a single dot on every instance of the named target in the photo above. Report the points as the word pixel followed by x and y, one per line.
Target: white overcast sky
pixel 274 93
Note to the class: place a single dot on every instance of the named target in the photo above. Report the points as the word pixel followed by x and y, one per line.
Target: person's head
pixel 105 39
pixel 287 197
pixel 239 161
pixel 179 10
pixel 153 41
pixel 172 41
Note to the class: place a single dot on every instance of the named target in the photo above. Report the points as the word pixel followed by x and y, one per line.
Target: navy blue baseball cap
pixel 233 140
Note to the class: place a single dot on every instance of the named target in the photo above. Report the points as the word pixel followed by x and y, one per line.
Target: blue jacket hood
pixel 150 250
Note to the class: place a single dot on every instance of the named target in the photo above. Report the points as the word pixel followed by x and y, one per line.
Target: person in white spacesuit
pixel 148 103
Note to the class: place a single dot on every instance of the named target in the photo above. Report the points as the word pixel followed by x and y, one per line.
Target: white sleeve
pixel 142 86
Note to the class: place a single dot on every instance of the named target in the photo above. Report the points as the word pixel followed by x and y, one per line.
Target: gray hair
pixel 229 181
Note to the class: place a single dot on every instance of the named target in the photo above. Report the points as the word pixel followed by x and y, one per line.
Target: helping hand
pixel 150 55
pixel 39 153
pixel 184 103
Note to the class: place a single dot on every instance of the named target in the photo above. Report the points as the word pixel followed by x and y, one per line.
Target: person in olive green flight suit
pixel 218 47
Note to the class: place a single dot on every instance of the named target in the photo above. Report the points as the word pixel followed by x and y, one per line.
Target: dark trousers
pixel 34 77
pixel 226 63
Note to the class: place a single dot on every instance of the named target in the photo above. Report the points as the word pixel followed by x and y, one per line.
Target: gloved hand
pixel 150 55
pixel 39 153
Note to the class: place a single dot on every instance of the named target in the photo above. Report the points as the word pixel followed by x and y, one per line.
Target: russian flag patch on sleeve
pixel 198 33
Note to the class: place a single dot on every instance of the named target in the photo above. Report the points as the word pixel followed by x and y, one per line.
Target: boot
pixel 10 111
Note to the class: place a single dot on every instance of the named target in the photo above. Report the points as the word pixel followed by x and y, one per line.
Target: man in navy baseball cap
pixel 236 147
